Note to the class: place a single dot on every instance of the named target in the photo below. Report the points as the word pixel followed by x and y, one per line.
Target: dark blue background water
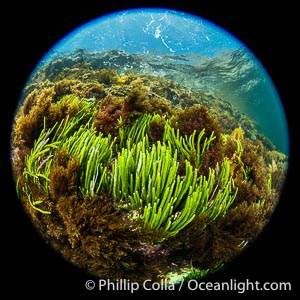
pixel 223 65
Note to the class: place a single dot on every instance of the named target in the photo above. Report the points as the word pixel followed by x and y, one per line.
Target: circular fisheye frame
pixel 149 144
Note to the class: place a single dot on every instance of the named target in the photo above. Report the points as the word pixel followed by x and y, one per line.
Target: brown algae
pixel 133 176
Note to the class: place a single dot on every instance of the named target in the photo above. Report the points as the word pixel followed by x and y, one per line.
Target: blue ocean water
pixel 222 65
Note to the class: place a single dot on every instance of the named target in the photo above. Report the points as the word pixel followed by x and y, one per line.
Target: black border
pixel 30 266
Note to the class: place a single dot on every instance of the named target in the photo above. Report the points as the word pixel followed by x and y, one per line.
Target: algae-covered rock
pixel 136 176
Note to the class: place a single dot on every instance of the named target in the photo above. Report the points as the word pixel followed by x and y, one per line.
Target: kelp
pixel 126 184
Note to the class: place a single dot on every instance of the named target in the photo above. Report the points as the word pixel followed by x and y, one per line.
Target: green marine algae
pixel 126 185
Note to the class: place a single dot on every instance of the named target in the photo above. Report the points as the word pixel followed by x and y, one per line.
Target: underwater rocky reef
pixel 133 175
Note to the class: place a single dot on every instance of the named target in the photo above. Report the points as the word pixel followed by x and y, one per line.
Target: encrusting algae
pixel 134 177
